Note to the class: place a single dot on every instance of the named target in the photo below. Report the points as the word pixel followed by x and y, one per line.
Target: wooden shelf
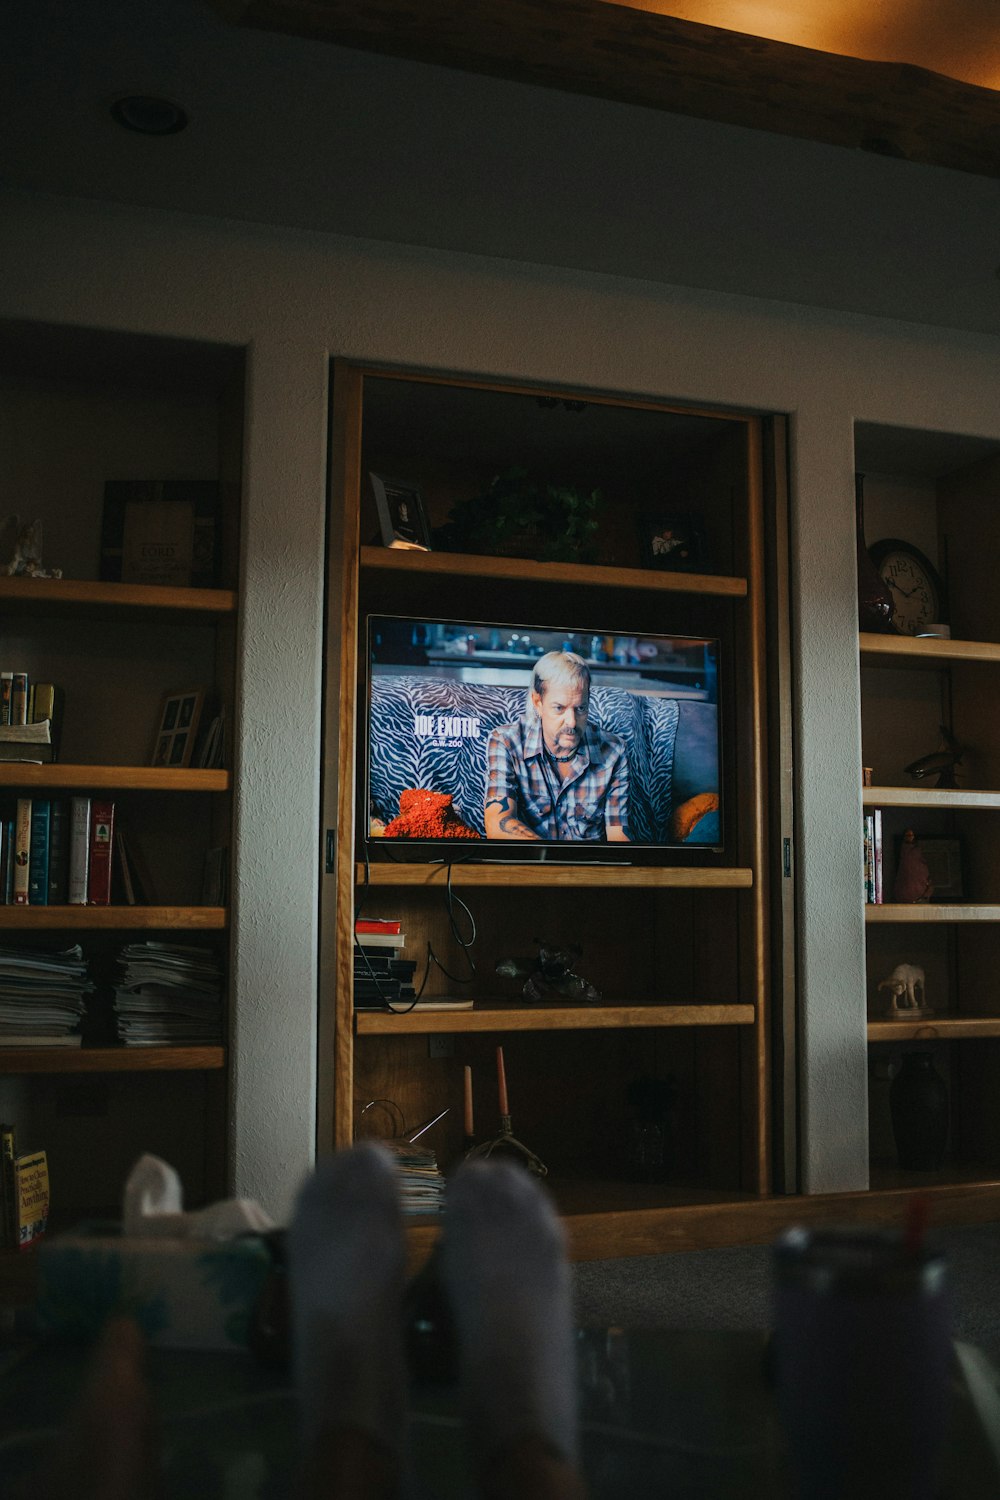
pixel 463 565
pixel 112 918
pixel 555 876
pixel 930 798
pixel 934 1028
pixel 937 911
pixel 111 1059
pixel 55 596
pixel 909 650
pixel 886 1175
pixel 497 1016
pixel 16 773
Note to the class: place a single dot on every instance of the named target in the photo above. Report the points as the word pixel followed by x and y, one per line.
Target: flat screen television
pixel 488 740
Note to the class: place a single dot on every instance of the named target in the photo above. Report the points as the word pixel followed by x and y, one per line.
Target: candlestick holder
pixel 507 1143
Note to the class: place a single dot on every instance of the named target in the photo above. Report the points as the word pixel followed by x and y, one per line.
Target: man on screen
pixel 552 775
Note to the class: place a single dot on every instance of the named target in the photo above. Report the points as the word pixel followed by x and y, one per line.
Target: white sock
pixel 346 1258
pixel 504 1269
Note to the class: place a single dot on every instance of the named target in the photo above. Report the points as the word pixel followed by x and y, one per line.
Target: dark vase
pixel 874 595
pixel 918 1103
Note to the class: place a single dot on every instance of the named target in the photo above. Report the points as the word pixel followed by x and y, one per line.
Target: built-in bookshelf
pixel 937 491
pixel 88 407
pixel 682 949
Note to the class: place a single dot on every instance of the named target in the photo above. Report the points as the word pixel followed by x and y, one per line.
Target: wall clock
pixel 914 582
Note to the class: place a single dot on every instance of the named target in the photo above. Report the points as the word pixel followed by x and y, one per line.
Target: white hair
pixel 555 667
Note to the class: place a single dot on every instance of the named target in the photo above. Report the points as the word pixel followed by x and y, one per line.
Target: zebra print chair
pixel 671 745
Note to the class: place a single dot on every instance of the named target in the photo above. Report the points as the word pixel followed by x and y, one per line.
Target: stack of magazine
pixel 42 997
pixel 421 1185
pixel 169 995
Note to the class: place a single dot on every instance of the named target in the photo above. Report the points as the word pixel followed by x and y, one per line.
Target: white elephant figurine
pixel 903 984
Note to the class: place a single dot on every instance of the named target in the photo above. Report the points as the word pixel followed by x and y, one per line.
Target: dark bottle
pixel 918 1103
pixel 874 594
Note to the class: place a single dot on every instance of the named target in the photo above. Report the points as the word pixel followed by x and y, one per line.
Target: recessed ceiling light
pixel 148 115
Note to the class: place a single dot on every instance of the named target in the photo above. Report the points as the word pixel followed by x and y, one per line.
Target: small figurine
pixel 21 549
pixel 903 984
pixel 913 879
pixel 941 761
pixel 550 976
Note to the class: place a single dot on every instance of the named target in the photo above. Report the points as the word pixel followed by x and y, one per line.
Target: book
pixel 378 924
pixel 8 1151
pixel 31 742
pixel 368 942
pixel 79 850
pixel 47 704
pixel 41 1039
pixel 384 963
pixel 38 859
pixel 31 1197
pixel 877 854
pixel 22 850
pixel 8 860
pixel 59 852
pixel 19 698
pixel 6 693
pixel 102 824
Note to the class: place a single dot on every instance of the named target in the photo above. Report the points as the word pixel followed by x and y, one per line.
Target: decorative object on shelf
pixel 673 540
pixel 944 863
pixel 874 595
pixel 518 516
pixel 550 976
pixel 650 1150
pixel 505 1142
pixel 941 763
pixel 401 516
pixel 914 582
pixel 21 549
pixel 918 1105
pixel 913 880
pixel 160 532
pixel 175 737
pixel 903 984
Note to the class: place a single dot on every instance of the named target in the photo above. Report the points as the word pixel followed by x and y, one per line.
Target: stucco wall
pixel 293 299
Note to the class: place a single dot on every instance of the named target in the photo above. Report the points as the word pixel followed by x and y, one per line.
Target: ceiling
pixel 575 133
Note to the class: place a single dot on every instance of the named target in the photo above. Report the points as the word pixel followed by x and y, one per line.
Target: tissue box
pixel 184 1293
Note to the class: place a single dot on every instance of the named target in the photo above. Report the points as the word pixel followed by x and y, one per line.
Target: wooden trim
pixel 930 797
pixel 113 918
pixel 15 773
pixel 55 595
pixel 455 564
pixel 433 876
pixel 497 1017
pixel 641 57
pixel 938 911
pixel 934 1028
pixel 908 650
pixel 111 1059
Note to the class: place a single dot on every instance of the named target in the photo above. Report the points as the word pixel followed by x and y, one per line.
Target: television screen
pixel 522 735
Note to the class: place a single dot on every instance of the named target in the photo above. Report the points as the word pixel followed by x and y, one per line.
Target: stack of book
pixel 169 994
pixel 382 976
pixel 42 997
pixel 421 1185
pixel 30 715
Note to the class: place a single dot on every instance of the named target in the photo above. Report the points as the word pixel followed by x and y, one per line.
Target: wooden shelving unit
pixel 679 947
pixel 54 1060
pixel 113 918
pixel 113 778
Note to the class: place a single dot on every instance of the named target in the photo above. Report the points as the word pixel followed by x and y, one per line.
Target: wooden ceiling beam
pixel 613 51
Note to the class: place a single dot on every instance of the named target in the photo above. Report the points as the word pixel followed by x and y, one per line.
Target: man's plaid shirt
pixel 584 806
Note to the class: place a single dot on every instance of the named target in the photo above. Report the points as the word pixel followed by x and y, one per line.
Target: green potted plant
pixel 517 516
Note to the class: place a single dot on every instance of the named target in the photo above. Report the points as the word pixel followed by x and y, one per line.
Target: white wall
pixel 293 298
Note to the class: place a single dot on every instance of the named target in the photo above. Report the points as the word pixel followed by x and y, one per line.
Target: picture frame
pixel 672 541
pixel 162 532
pixel 944 865
pixel 402 518
pixel 180 714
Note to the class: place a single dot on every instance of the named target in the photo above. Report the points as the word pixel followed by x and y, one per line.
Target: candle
pixel 469 1131
pixel 502 1083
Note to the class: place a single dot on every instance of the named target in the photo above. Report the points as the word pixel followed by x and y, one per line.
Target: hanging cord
pixel 465 943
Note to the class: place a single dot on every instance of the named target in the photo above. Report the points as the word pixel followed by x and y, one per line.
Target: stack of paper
pixel 169 994
pixel 421 1184
pixel 41 997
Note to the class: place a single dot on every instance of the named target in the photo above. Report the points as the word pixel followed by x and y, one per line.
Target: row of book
pixel 383 976
pixel 57 851
pixel 872 857
pixel 24 1193
pixel 170 994
pixel 30 716
pixel 42 997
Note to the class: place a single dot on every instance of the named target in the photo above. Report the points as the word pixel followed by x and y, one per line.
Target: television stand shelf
pixel 495 1016
pixel 566 877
